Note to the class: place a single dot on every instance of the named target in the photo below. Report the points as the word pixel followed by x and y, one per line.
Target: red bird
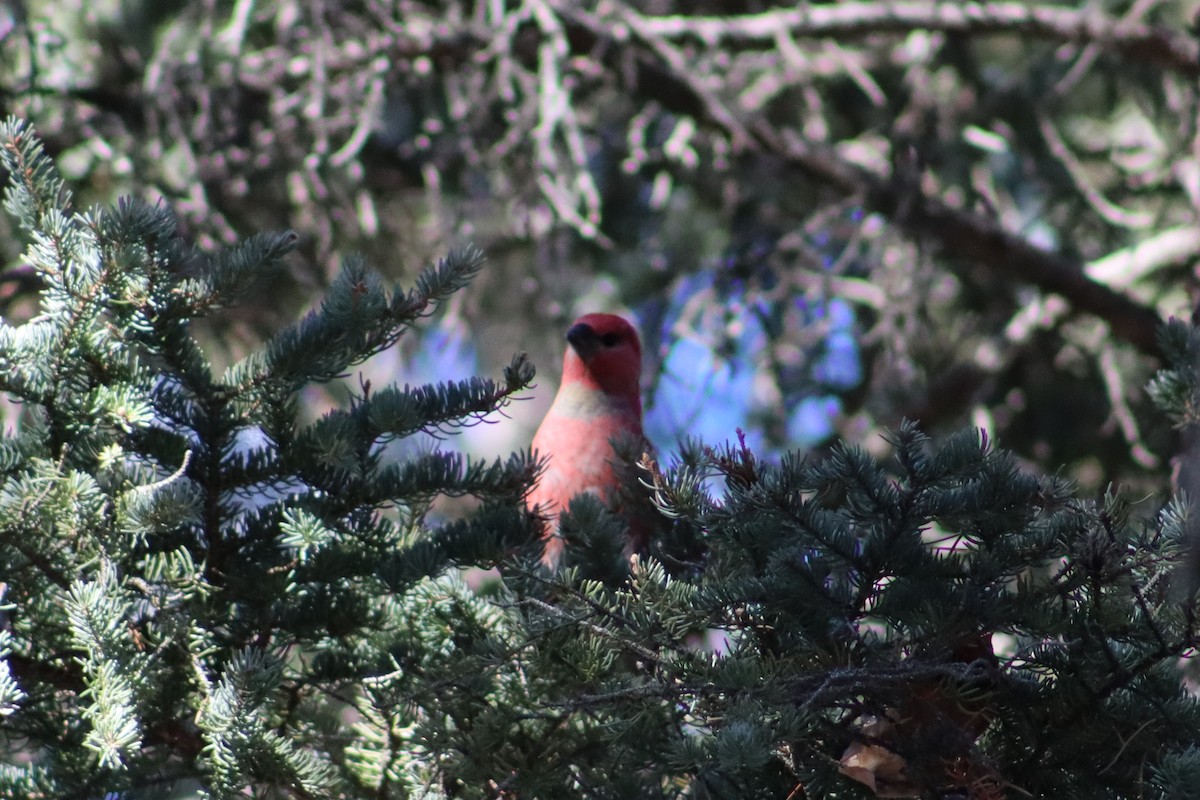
pixel 598 401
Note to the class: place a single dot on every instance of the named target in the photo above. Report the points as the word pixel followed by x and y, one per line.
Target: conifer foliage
pixel 939 625
pixel 192 576
pixel 204 595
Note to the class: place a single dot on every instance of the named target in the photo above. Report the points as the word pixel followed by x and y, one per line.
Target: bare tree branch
pixel 968 238
pixel 1134 40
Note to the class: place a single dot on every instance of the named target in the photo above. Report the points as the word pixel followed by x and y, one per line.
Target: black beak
pixel 583 340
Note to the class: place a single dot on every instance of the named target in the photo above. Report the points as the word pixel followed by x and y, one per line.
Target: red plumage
pixel 598 401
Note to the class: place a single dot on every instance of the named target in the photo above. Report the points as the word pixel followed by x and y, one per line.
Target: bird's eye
pixel 610 339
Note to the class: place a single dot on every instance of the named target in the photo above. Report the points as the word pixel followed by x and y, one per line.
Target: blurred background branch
pixel 824 217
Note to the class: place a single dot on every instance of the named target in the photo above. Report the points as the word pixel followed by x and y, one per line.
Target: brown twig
pixel 1134 40
pixel 966 238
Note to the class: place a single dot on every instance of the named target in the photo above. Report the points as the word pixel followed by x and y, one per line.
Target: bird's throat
pixel 578 401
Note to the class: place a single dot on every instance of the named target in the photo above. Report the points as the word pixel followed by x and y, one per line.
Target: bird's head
pixel 604 354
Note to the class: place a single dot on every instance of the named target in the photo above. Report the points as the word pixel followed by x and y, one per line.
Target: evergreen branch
pixel 235 270
pixel 67 253
pixel 582 621
pixel 489 536
pixel 454 475
pixel 35 189
pixel 23 541
pixel 99 613
pixel 396 413
pixel 356 320
pixel 434 285
pixel 418 480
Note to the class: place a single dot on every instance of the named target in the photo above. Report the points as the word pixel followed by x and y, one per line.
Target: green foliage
pixel 205 594
pixel 1176 389
pixel 848 591
pixel 1177 775
pixel 194 577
